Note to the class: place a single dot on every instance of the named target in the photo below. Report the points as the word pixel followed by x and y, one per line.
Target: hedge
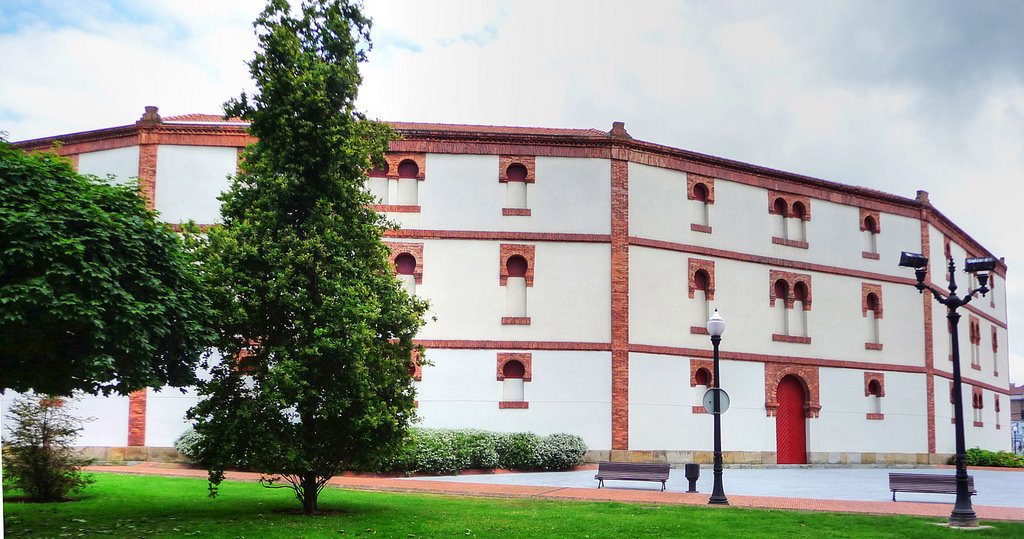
pixel 977 456
pixel 449 451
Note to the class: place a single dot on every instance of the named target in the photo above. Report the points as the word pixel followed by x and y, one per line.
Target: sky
pixel 897 96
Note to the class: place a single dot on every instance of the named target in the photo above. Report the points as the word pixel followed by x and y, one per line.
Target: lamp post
pixel 963 515
pixel 716 327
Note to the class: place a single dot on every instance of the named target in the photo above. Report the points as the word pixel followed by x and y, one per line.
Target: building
pixel 571 272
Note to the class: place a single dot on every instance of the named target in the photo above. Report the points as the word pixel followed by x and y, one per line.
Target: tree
pixel 95 294
pixel 41 461
pixel 315 329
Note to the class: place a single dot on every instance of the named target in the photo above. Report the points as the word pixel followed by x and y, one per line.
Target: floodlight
pixel 913 260
pixel 984 263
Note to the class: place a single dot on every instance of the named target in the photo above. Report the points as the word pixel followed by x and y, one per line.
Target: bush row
pixel 447 452
pixel 977 456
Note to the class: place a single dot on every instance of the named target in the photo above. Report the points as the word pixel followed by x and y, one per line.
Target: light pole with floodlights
pixel 716 327
pixel 963 515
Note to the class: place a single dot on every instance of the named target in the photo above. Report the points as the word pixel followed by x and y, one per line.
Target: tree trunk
pixel 309 494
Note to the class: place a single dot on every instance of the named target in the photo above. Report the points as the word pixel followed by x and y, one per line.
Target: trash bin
pixel 692 473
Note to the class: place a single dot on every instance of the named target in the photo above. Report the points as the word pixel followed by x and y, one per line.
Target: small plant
pixel 38 457
pixel 519 450
pixel 188 444
pixel 977 456
pixel 562 451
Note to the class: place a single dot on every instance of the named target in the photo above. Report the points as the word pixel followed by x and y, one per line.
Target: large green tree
pixel 305 295
pixel 95 294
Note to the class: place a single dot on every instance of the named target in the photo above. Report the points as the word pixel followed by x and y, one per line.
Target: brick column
pixel 620 303
pixel 147 174
pixel 137 418
pixel 929 352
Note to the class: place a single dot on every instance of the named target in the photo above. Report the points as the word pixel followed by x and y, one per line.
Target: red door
pixel 790 424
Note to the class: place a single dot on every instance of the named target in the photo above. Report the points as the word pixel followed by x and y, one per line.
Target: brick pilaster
pixel 620 303
pixel 137 418
pixel 929 352
pixel 147 174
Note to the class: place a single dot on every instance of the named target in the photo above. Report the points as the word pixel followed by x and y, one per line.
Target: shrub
pixel 38 457
pixel 519 450
pixel 436 453
pixel 188 444
pixel 977 456
pixel 562 451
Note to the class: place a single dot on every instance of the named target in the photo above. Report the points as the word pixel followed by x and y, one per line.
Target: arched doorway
pixel 790 422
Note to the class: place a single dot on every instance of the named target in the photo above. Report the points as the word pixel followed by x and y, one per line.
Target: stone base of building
pixel 768 458
pixel 122 455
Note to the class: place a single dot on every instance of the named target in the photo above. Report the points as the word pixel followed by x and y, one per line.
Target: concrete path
pixel 571 486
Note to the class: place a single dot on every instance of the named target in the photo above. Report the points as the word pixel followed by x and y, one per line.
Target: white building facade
pixel 571 272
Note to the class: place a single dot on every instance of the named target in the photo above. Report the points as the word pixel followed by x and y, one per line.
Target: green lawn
pixel 146 506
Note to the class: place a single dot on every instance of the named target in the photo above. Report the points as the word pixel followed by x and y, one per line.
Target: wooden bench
pixel 927 483
pixel 632 471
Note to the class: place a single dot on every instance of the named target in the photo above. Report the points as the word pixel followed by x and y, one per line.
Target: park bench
pixel 927 483
pixel 632 471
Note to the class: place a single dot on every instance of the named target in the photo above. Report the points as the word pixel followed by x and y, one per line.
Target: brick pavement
pixel 387 484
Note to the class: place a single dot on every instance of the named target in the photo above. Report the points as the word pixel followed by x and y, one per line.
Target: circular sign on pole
pixel 709 400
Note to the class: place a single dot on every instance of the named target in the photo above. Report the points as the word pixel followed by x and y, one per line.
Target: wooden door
pixel 790 423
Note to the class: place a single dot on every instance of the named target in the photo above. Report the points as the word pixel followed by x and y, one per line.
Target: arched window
pixel 796 227
pixel 702 285
pixel 408 183
pixel 779 222
pixel 978 403
pixel 513 387
pixel 702 380
pixel 701 204
pixel 798 325
pixel 870 232
pixel 515 289
pixel 874 397
pixel 872 317
pixel 378 184
pixel 995 351
pixel 515 187
pixel 781 299
pixel 405 265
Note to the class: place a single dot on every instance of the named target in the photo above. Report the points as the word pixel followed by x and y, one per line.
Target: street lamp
pixel 716 327
pixel 963 514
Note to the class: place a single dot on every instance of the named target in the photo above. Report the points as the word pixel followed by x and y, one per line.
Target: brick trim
pixel 147 174
pixel 413 249
pixel 874 417
pixel 508 250
pixel 699 330
pixel 873 346
pixel 515 320
pixel 421 234
pixel 808 377
pixel 974 329
pixel 778 337
pixel 697 264
pixel 620 301
pixel 929 335
pixel 417 368
pixel 396 208
pixel 516 212
pixel 865 290
pixel 995 340
pixel 525 358
pixel 791 280
pixel 394 159
pixel 790 243
pixel 513 405
pixel 704 229
pixel 691 182
pixel 874 377
pixel 977 398
pixel 698 364
pixel 870 256
pixel 790 199
pixel 73 158
pixel 528 161
pixel 137 418
pixel 874 214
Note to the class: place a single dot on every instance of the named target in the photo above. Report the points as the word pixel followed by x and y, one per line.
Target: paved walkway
pixel 571 486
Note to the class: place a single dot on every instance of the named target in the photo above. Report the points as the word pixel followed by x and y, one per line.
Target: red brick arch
pixel 808 377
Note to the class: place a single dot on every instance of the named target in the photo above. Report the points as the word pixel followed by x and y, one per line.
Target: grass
pixel 149 506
